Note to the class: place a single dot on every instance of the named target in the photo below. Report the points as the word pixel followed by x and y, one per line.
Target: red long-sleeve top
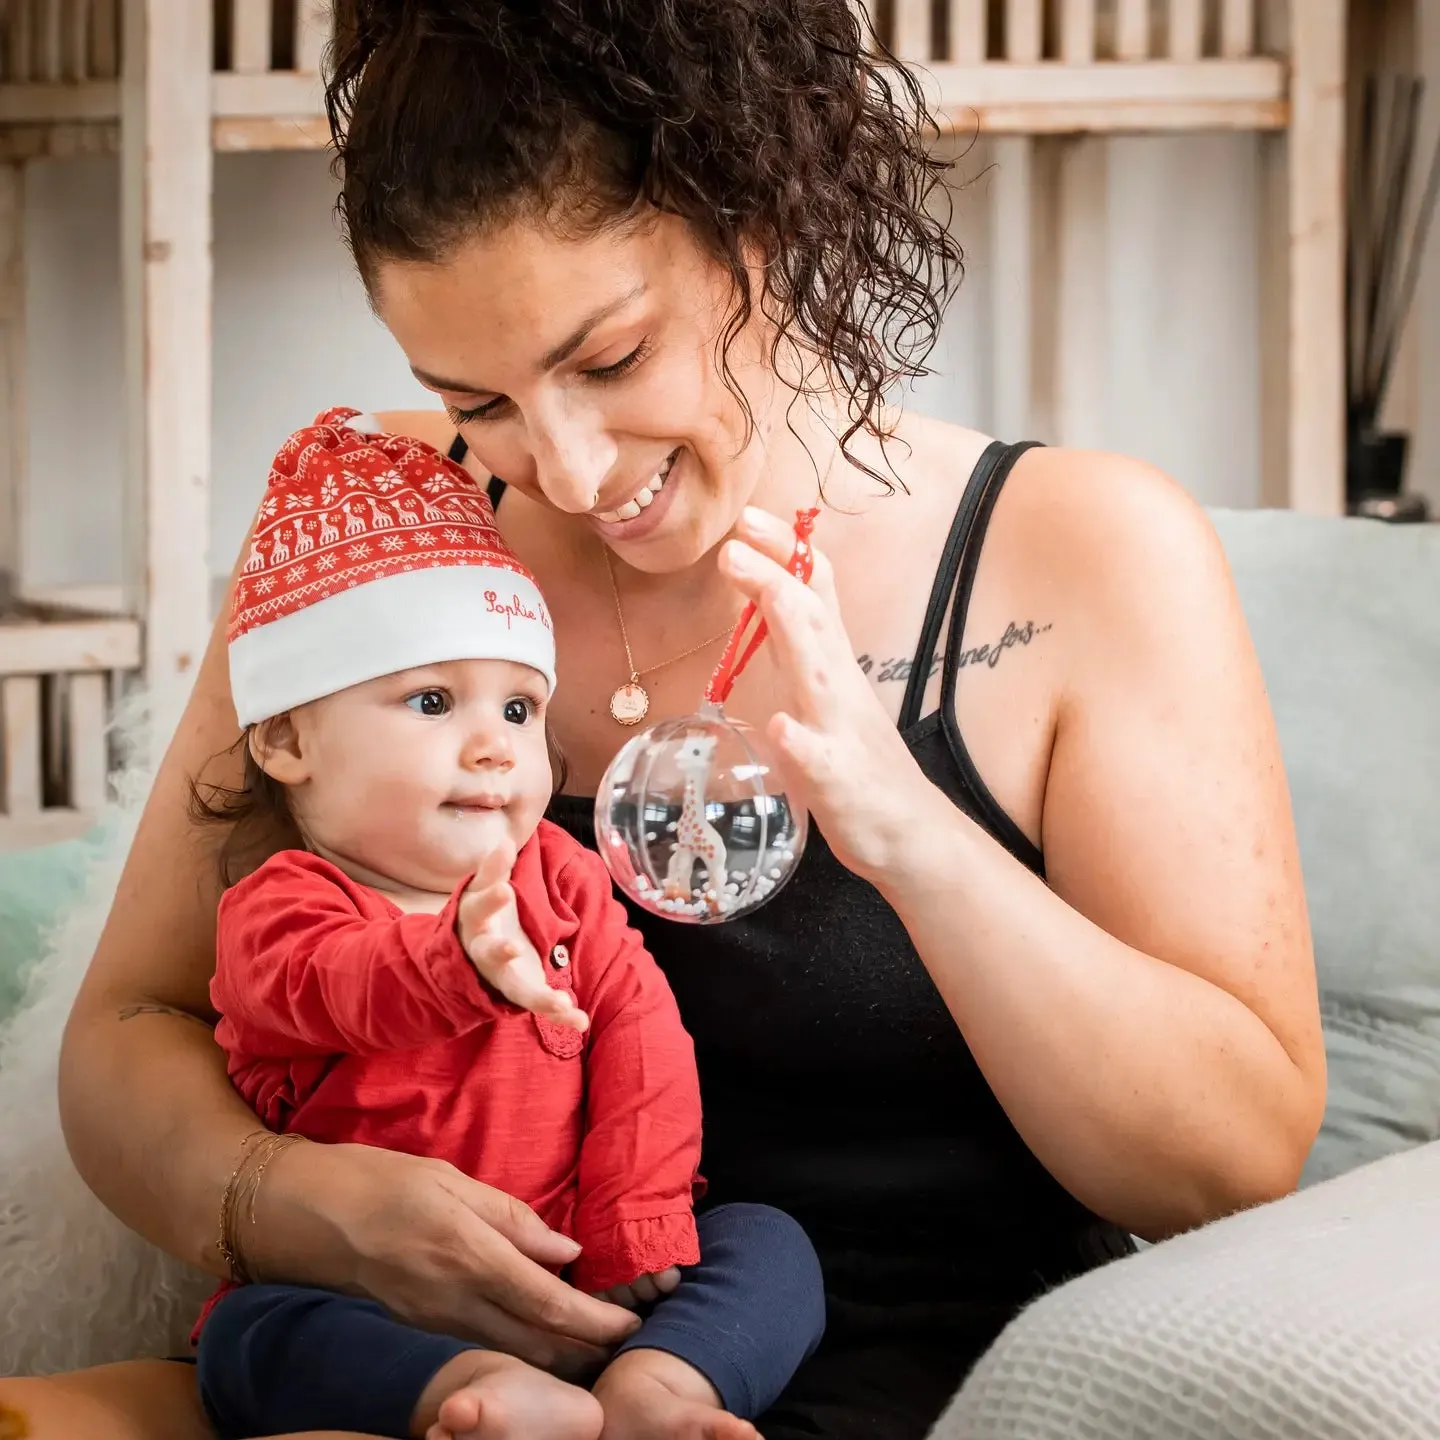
pixel 346 1019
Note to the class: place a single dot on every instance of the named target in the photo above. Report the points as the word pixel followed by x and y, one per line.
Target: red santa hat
pixel 372 554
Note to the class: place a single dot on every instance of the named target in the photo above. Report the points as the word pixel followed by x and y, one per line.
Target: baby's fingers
pixel 521 981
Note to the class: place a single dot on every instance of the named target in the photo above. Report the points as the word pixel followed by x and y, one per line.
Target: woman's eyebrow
pixel 556 356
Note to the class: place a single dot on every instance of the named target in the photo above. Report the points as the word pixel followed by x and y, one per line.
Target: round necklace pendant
pixel 629 704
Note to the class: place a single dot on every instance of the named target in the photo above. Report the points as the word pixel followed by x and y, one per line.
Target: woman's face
pixel 584 372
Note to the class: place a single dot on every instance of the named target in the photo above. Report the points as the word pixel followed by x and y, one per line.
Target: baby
pixel 442 971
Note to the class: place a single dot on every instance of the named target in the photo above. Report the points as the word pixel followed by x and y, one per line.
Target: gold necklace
pixel 630 702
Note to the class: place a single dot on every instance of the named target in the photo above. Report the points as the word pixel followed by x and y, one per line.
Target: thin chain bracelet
pixel 257 1151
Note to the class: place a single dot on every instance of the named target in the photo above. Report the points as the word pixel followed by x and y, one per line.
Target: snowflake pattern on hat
pixel 343 507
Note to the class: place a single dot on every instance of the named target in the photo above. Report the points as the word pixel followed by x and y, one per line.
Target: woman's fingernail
pixel 754 515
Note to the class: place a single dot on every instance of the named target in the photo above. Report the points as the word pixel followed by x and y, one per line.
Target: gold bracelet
pixel 258 1150
pixel 225 1242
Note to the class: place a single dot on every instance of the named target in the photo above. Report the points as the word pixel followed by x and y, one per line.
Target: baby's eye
pixel 519 711
pixel 429 703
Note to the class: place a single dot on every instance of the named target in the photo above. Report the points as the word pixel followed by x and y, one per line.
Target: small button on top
pixel 559 957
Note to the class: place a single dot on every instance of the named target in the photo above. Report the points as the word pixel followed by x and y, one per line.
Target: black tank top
pixel 835 1083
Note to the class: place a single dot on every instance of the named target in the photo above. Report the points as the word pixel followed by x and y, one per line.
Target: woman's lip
pixel 467 806
pixel 649 518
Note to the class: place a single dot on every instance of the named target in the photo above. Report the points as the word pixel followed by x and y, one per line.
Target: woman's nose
pixel 573 455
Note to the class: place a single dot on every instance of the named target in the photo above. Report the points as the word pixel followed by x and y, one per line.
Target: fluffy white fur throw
pixel 76 1286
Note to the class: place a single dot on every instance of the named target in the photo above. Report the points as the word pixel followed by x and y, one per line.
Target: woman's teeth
pixel 632 507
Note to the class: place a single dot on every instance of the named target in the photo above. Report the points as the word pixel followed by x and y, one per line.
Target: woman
pixel 1045 981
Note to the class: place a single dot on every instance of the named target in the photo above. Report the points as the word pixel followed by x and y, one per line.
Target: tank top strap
pixel 951 591
pixel 968 526
pixel 458 451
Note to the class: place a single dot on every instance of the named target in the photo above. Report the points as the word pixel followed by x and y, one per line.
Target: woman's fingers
pixel 518 1285
pixel 774 538
pixel 806 631
pixel 514 1220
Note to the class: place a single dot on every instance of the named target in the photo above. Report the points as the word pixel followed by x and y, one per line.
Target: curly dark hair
pixel 773 127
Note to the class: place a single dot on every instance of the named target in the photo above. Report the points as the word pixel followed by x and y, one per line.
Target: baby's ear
pixel 275 748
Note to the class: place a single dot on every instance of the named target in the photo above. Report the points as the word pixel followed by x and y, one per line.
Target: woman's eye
pixel 475 415
pixel 622 366
pixel 431 703
pixel 518 711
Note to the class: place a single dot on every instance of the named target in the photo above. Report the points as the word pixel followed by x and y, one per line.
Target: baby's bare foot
pixel 649 1395
pixel 482 1395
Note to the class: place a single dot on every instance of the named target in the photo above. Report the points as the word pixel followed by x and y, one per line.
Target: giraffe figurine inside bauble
pixel 697 841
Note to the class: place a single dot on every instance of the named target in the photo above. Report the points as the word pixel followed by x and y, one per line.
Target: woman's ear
pixel 276 749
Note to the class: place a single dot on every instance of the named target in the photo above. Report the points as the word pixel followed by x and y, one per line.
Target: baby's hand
pixel 490 932
pixel 644 1291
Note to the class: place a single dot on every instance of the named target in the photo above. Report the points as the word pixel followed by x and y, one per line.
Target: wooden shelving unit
pixel 166 83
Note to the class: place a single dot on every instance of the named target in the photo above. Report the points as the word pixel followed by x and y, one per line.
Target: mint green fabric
pixel 36 886
pixel 1345 615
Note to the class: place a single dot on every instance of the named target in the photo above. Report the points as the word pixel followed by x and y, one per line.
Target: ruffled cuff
pixel 620 1254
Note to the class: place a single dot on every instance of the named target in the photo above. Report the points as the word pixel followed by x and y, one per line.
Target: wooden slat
pixel 1132 30
pixel 19 41
pixel 1237 26
pixel 1077 31
pixel 50 51
pixel 89 755
pixel 1014 205
pixel 43 827
pixel 104 39
pixel 91 600
pixel 250 37
pixel 29 648
pixel 35 103
pixel 1186 30
pixel 1024 30
pixel 1137 82
pixel 260 132
pixel 75 61
pixel 967 31
pixel 911 21
pixel 64 141
pixel 312 34
pixel 166 183
pixel 279 94
pixel 1105 118
pixel 12 372
pixel 1316 449
pixel 20 738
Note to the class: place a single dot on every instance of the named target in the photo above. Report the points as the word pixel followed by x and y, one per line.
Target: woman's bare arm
pixel 149 1115
pixel 1162 982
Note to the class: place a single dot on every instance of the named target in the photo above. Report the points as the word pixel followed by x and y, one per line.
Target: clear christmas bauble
pixel 692 822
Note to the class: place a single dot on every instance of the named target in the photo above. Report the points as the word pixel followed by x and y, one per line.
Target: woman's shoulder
pixel 1089 504
pixel 1108 531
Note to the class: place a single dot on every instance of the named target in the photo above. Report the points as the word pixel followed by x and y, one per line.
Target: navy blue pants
pixel 276 1358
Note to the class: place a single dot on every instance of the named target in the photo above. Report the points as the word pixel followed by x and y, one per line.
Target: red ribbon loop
pixel 735 659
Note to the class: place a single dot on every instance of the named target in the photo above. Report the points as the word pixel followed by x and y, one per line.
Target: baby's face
pixel 408 781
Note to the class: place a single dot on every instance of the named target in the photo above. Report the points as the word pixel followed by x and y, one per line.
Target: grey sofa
pixel 1316 1317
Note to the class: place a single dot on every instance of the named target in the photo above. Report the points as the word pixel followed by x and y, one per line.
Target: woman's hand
pixel 438 1249
pixel 840 750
